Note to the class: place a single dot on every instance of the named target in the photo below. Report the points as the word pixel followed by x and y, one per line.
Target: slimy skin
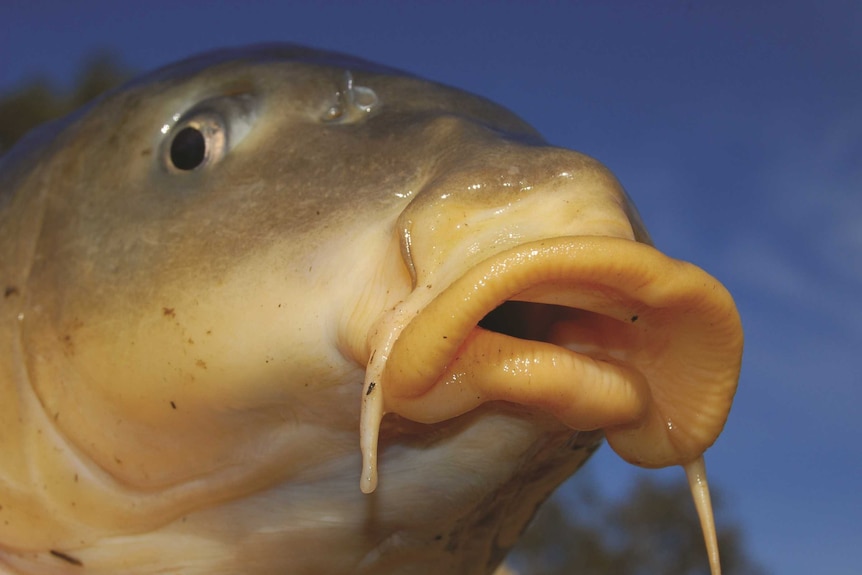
pixel 242 284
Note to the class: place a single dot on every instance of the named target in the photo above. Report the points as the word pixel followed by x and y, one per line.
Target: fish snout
pixel 550 297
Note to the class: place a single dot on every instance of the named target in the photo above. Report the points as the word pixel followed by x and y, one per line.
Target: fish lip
pixel 659 311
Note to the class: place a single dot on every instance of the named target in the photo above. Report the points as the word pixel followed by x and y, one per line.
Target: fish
pixel 273 309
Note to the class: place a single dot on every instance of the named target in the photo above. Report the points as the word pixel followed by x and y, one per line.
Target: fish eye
pixel 199 141
pixel 203 136
pixel 188 149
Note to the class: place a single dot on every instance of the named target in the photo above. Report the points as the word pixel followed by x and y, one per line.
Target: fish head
pixel 225 278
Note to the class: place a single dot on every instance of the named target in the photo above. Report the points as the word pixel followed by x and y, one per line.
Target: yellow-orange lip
pixel 642 345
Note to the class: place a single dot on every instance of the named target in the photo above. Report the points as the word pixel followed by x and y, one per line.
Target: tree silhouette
pixel 38 101
pixel 653 531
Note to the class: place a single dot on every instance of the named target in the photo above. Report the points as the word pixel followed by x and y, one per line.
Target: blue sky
pixel 736 127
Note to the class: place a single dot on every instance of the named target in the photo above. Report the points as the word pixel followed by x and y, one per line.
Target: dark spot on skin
pixel 428 286
pixel 201 364
pixel 146 152
pixel 634 318
pixel 371 387
pixel 10 291
pixel 168 312
pixel 67 558
pixel 445 337
pixel 372 356
pixel 68 344
pixel 438 537
pixel 173 405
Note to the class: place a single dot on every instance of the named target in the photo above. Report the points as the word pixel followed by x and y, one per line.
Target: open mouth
pixel 603 333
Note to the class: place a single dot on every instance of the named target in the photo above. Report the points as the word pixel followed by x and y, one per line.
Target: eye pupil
pixel 188 149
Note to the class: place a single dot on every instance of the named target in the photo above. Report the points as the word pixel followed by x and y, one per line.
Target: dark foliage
pixel 654 530
pixel 38 101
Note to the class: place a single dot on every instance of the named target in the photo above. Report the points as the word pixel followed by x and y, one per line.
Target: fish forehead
pixel 262 54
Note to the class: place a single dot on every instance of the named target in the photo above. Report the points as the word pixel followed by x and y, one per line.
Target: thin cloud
pixel 803 244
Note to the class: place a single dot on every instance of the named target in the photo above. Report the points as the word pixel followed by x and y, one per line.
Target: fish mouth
pixel 601 332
